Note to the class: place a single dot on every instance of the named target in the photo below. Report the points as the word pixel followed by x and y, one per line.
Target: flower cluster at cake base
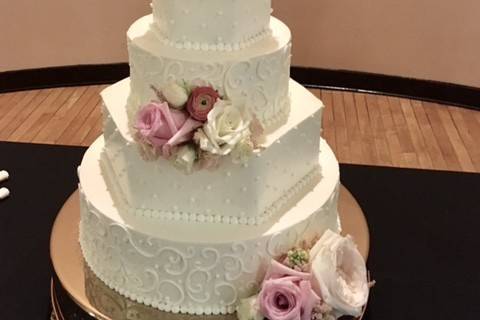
pixel 324 282
pixel 195 127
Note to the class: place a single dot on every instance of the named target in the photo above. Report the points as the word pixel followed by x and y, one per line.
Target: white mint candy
pixel 4 193
pixel 4 175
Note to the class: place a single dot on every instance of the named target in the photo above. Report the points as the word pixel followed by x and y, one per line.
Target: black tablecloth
pixel 424 228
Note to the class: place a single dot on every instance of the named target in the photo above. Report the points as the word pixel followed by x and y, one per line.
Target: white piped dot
pixel 244 189
pixel 228 201
pixel 209 187
pixel 229 174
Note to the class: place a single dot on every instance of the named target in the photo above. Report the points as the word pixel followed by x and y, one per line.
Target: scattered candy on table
pixel 4 175
pixel 4 193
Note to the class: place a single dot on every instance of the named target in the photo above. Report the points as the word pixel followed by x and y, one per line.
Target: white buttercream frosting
pixel 188 267
pixel 256 77
pixel 199 243
pixel 211 24
pixel 250 193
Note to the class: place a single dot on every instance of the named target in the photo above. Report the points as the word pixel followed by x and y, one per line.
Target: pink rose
pixel 201 101
pixel 288 298
pixel 278 270
pixel 164 128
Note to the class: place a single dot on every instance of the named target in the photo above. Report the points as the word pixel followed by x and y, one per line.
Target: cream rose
pixel 339 274
pixel 175 95
pixel 248 309
pixel 225 127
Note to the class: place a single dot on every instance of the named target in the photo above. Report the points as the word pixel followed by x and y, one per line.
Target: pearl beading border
pixel 313 176
pixel 227 47
pixel 279 118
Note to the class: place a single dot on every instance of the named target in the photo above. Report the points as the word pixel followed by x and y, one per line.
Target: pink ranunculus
pixel 287 298
pixel 201 101
pixel 164 128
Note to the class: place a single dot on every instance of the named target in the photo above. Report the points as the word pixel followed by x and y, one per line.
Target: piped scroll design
pixel 258 81
pixel 181 277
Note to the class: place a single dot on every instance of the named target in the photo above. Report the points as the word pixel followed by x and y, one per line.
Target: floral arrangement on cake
pixel 322 283
pixel 194 127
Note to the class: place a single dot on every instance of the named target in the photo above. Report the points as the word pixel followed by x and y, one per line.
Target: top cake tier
pixel 212 24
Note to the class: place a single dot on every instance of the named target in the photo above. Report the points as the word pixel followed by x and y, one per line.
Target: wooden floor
pixel 361 128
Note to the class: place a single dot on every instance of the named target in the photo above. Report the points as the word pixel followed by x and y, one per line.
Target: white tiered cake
pixel 201 242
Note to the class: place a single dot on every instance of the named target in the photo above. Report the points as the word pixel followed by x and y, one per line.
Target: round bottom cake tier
pixel 196 268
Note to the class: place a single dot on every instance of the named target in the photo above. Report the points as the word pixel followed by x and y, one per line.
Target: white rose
pixel 175 95
pixel 247 309
pixel 243 151
pixel 339 273
pixel 184 158
pixel 225 127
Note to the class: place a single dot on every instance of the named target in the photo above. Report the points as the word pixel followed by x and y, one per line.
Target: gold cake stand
pixel 100 302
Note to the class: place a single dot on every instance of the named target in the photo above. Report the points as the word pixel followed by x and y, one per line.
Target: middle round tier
pixel 256 76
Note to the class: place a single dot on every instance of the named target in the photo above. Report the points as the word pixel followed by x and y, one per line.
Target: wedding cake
pixel 210 190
